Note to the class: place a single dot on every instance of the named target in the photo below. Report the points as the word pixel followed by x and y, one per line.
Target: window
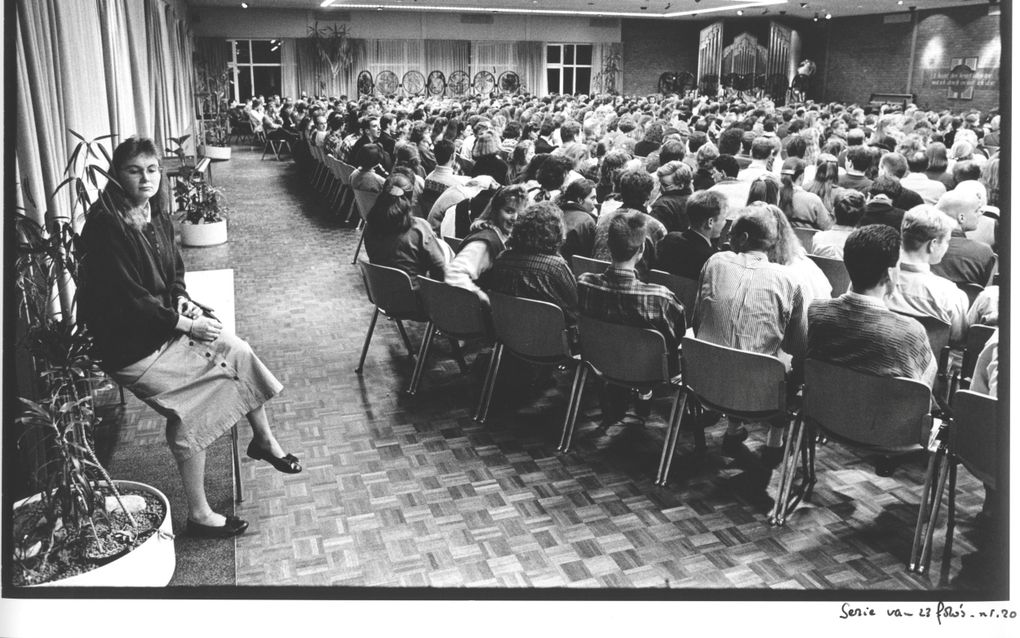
pixel 568 68
pixel 255 65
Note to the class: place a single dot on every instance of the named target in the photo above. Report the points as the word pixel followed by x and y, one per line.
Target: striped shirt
pixel 748 303
pixel 618 296
pixel 859 332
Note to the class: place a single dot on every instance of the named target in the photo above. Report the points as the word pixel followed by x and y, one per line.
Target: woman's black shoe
pixel 232 527
pixel 288 464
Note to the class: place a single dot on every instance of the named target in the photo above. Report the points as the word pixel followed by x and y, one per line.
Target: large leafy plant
pixel 197 201
pixel 71 482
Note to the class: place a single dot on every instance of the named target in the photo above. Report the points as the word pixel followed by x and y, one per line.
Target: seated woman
pixel 849 207
pixel 487 160
pixel 155 341
pixel 803 209
pixel 764 189
pixel 825 181
pixel 370 174
pixel 532 267
pixel 788 251
pixel 520 160
pixel 395 237
pixel 487 239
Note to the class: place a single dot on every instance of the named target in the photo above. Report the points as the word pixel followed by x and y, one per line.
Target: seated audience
pixel 675 186
pixel 487 160
pixel 788 251
pixel 803 209
pixel 395 237
pixel 924 238
pixel 577 201
pixel 966 261
pixel 370 174
pixel 857 330
pixel 879 208
pixel 685 253
pixel 746 302
pixel 487 239
pixel 531 267
pixel 635 189
pixel 618 296
pixel 848 208
pixel 986 368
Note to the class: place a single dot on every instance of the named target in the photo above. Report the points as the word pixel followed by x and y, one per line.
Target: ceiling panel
pixel 675 9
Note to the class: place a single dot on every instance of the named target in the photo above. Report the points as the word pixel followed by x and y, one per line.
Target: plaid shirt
pixel 535 276
pixel 618 296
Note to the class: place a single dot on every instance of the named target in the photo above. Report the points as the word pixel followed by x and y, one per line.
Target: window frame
pixel 237 68
pixel 563 68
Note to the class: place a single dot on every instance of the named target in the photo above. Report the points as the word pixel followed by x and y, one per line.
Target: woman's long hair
pixel 514 194
pixel 825 182
pixel 393 210
pixel 793 168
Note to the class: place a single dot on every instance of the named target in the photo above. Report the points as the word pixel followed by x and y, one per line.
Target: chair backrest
pixel 365 200
pixel 972 290
pixel 976 435
pixel 731 380
pixel 531 328
pixel 977 336
pixel 453 242
pixel 344 169
pixel 625 354
pixel 806 236
pixel 456 312
pixel 938 333
pixel 581 265
pixel 835 272
pixel 392 290
pixel 333 165
pixel 685 289
pixel 876 413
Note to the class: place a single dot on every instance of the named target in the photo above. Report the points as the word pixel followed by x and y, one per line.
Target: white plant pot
pixel 216 153
pixel 151 564
pixel 204 234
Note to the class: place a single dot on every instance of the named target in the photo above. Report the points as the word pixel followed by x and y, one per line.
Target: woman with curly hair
pixel 532 267
pixel 487 239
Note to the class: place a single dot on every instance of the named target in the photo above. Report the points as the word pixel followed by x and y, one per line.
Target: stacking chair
pixel 392 293
pixel 806 237
pixel 365 201
pixel 835 272
pixel 740 384
pixel 972 290
pixel 686 290
pixel 626 356
pixel 531 330
pixel 581 265
pixel 276 146
pixel 347 202
pixel 456 313
pixel 975 434
pixel 977 336
pixel 882 415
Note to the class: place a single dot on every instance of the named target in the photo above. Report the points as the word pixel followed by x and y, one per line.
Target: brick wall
pixel 651 47
pixel 866 56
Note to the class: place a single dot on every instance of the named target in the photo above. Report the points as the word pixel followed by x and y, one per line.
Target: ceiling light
pixel 326 3
pixel 816 18
pixel 803 5
pixel 740 12
pixel 828 16
pixel 900 2
pixel 244 5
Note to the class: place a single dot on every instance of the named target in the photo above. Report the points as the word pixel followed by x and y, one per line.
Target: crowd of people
pixel 713 190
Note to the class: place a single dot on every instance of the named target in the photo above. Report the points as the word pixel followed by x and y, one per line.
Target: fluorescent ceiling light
pixel 746 4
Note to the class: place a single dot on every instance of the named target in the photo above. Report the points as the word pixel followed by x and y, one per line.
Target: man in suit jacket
pixel 684 253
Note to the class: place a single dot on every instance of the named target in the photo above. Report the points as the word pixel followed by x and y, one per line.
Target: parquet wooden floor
pixel 411 492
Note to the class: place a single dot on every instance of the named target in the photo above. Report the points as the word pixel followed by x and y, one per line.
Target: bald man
pixel 966 261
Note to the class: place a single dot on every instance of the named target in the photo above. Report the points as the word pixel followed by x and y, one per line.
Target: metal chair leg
pixel 403 335
pixel 236 459
pixel 368 340
pixel 361 239
pixel 575 404
pixel 672 434
pixel 924 507
pixel 936 505
pixel 787 472
pixel 423 353
pixel 947 550
pixel 489 386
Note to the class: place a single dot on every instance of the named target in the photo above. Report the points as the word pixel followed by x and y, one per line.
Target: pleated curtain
pixel 97 67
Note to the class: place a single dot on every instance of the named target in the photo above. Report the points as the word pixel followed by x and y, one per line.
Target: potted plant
pixel 215 115
pixel 201 210
pixel 80 527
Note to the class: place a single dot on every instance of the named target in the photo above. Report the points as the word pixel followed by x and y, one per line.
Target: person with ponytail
pixel 803 209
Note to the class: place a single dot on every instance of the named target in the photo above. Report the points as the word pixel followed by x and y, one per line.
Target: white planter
pixel 151 564
pixel 204 234
pixel 216 153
